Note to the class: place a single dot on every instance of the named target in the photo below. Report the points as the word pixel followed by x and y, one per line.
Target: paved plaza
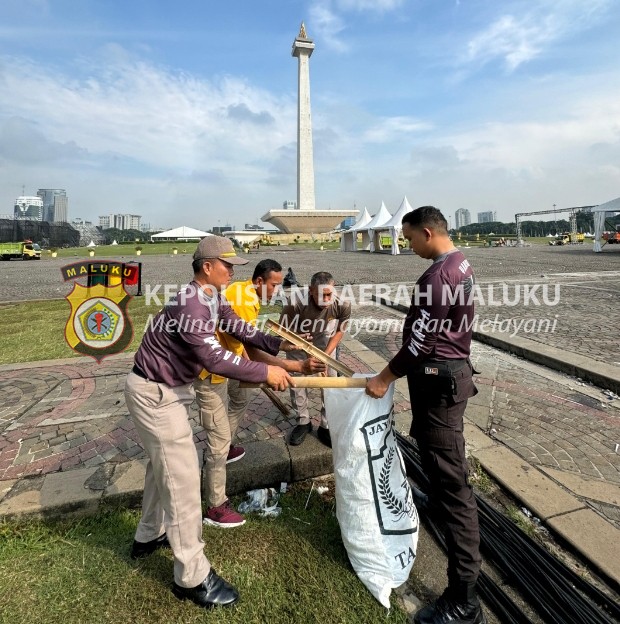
pixel 529 420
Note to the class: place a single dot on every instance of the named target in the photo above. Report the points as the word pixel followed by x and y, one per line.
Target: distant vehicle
pixel 612 238
pixel 386 241
pixel 560 239
pixel 566 238
pixel 25 251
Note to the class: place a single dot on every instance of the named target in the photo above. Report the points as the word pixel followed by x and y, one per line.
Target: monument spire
pixel 306 219
pixel 302 49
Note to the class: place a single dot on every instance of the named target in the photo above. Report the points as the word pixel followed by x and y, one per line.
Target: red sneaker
pixel 235 453
pixel 224 516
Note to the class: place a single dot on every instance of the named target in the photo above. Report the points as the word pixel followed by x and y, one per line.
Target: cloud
pixel 326 18
pixel 394 128
pixel 22 142
pixel 328 26
pixel 241 112
pixel 161 118
pixel 517 40
pixel 379 6
pixel 435 158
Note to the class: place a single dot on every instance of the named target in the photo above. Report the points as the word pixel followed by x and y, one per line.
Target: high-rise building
pixel 487 217
pixel 347 223
pixel 28 208
pixel 120 221
pixel 462 218
pixel 55 205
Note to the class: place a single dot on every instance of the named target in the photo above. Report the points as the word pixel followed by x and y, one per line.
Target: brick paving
pixel 70 414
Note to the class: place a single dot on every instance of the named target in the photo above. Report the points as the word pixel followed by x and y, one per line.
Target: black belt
pixel 440 368
pixel 136 371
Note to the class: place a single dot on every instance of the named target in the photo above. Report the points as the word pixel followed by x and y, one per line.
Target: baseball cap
pixel 218 247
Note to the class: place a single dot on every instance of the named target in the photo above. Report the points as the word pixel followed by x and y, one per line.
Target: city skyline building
pixel 55 205
pixel 28 207
pixel 120 221
pixel 487 217
pixel 462 217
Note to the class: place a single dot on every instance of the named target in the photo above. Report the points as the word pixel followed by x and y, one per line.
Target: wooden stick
pixel 319 382
pixel 309 348
pixel 270 394
pixel 276 400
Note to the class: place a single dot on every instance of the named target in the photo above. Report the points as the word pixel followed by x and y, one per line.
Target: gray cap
pixel 218 247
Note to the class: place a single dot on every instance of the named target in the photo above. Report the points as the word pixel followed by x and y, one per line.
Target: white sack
pixel 374 503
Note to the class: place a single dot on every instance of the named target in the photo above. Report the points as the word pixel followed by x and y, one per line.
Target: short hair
pixel 265 267
pixel 197 264
pixel 321 278
pixel 427 217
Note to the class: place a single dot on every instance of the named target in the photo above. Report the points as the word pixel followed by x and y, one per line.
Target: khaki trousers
pixel 171 500
pixel 299 400
pixel 222 407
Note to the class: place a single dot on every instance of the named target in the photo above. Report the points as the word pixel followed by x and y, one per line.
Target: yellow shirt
pixel 245 303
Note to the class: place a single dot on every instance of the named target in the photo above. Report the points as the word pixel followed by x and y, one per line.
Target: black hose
pixel 557 593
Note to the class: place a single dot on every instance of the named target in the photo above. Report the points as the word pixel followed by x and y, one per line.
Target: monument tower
pixel 305 218
pixel 302 49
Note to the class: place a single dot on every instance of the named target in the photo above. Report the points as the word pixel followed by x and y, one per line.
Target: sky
pixel 185 111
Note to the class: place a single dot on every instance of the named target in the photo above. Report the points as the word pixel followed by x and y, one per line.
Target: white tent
pixel 393 227
pixel 383 216
pixel 348 242
pixel 92 243
pixel 182 233
pixel 599 219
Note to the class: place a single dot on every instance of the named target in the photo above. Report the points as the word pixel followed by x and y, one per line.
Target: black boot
pixel 457 605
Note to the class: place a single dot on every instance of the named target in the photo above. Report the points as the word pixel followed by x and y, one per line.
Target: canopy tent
pixel 383 216
pixel 182 233
pixel 599 213
pixel 348 242
pixel 393 228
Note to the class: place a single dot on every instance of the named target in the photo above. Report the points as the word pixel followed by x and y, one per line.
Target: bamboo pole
pixel 319 382
pixel 271 395
pixel 310 349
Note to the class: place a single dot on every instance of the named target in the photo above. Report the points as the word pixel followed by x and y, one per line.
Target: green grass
pixel 159 249
pixel 521 520
pixel 124 249
pixel 288 569
pixel 35 331
pixel 479 478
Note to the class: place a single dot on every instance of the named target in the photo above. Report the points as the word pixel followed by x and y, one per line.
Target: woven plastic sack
pixel 374 503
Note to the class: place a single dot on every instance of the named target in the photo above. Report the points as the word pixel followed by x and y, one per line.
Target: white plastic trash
pixel 263 501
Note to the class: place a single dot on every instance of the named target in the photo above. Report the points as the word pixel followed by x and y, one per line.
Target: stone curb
pixel 570 519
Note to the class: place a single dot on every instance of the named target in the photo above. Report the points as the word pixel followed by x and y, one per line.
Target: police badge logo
pixel 99 324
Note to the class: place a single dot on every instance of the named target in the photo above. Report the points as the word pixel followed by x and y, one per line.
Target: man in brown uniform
pixel 324 317
pixel 178 344
pixel 222 402
pixel 435 359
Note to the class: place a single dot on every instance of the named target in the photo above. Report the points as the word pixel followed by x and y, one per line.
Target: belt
pixel 136 371
pixel 440 368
